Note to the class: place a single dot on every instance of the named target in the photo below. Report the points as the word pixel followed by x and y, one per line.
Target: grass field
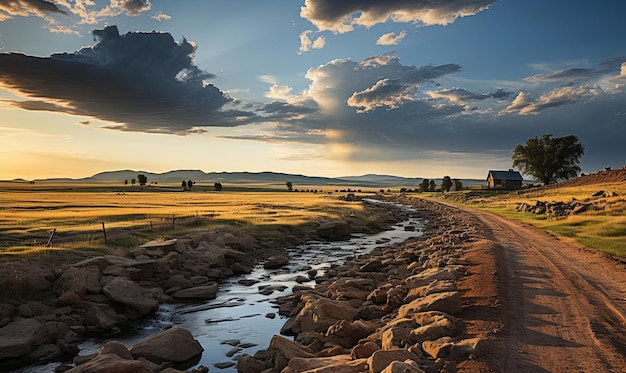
pixel 130 214
pixel 602 227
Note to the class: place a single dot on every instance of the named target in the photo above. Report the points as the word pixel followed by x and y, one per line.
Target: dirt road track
pixel 564 304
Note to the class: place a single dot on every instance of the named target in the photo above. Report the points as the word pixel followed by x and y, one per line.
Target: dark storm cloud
pixel 342 16
pixel 140 81
pixel 9 8
pixel 460 95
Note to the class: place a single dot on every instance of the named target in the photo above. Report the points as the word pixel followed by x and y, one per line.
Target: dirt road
pixel 564 304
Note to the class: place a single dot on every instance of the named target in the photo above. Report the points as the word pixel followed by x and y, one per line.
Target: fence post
pixel 104 231
pixel 54 231
pixel 173 218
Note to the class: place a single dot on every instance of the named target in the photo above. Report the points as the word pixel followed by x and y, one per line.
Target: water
pixel 238 321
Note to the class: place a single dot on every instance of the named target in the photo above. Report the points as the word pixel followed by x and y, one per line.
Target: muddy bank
pixel 46 312
pixel 406 308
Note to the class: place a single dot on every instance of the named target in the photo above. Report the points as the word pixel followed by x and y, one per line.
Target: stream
pixel 244 316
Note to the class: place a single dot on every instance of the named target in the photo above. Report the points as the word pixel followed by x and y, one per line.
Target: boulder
pixel 81 280
pixel 174 345
pixel 448 302
pixel 431 274
pixel 364 350
pixel 438 348
pixel 408 366
pixel 334 364
pixel 282 350
pixel 333 230
pixel 349 333
pixel 382 358
pixel 111 363
pixel 198 292
pixel 19 337
pixel 116 348
pixel 275 262
pixel 130 294
pixel 319 313
pixel 441 286
pixel 396 337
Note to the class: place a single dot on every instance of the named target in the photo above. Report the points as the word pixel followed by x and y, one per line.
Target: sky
pixel 314 87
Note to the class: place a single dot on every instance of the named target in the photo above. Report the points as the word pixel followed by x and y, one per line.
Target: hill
pixel 608 176
pixel 242 178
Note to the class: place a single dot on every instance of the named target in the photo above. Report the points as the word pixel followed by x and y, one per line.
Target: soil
pixel 550 305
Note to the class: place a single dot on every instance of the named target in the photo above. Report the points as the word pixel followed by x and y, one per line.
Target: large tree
pixel 548 158
pixel 446 184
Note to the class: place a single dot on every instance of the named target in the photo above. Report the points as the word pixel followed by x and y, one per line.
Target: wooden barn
pixel 505 179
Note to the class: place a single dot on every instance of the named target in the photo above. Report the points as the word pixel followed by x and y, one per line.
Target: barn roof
pixel 505 175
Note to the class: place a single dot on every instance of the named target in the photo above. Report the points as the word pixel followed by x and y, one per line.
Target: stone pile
pixel 97 297
pixel 394 310
pixel 554 209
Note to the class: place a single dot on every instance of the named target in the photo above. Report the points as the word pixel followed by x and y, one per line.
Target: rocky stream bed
pixel 373 307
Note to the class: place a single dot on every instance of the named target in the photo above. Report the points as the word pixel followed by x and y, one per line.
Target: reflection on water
pixel 241 319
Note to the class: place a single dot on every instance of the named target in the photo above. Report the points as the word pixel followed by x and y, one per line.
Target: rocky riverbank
pixel 45 312
pixel 407 308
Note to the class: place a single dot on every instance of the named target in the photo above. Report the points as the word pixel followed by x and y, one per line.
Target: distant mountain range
pixel 237 178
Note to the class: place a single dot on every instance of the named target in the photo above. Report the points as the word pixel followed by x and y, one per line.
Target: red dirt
pixel 550 305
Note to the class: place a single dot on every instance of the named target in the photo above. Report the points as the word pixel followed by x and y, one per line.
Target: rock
pixel 43 353
pixel 129 293
pixel 408 366
pixel 248 364
pixel 68 298
pixel 431 274
pixel 99 316
pixel 26 277
pixel 382 358
pixel 116 348
pixel 438 348
pixel 434 287
pixel 165 245
pixel 198 292
pixel 282 350
pixel 81 280
pixel 364 350
pixel 396 337
pixel 333 231
pixel 19 337
pixel 349 333
pixel 319 313
pixel 275 262
pixel 176 345
pixel 178 281
pixel 434 325
pixel 111 363
pixel 299 364
pixel 448 302
pixel 240 269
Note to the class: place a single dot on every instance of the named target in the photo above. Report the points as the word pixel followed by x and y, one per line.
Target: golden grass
pixel 31 212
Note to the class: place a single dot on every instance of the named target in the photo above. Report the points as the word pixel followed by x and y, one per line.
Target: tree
pixel 184 185
pixel 423 187
pixel 217 187
pixel 126 182
pixel 431 186
pixel 458 185
pixel 190 183
pixel 446 184
pixel 133 181
pixel 549 159
pixel 143 180
pixel 289 185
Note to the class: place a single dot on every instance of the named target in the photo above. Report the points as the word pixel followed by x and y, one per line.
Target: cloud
pixel 391 38
pixel 138 81
pixel 556 97
pixel 343 16
pixel 306 43
pixel 132 7
pixel 462 96
pixel 385 93
pixel 160 16
pixel 25 8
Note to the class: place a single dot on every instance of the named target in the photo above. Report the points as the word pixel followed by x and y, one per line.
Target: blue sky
pixel 315 87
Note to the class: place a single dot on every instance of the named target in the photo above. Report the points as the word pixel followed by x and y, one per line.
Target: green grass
pixel 602 228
